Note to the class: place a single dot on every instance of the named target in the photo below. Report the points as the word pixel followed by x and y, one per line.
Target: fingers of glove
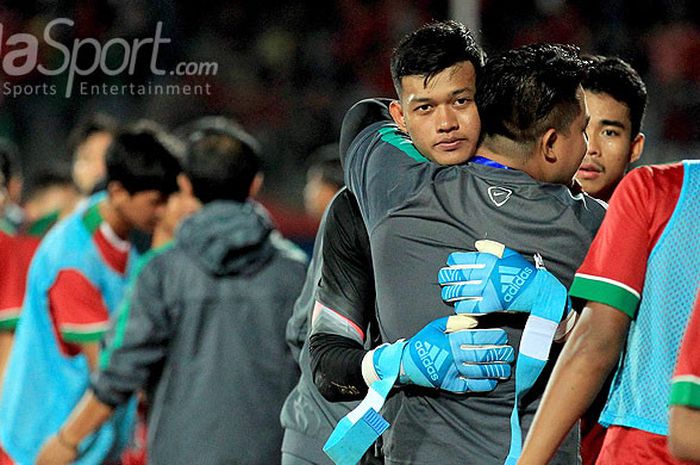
pixel 471 260
pixel 484 354
pixel 456 274
pixel 461 384
pixel 477 337
pixel 476 306
pixel 457 292
pixel 497 371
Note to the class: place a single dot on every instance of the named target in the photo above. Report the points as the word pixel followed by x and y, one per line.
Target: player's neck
pixel 510 154
pixel 114 219
pixel 492 154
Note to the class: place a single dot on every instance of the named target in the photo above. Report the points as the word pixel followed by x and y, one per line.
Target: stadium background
pixel 288 70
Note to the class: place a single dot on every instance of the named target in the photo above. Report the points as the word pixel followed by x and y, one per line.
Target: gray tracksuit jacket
pixel 204 334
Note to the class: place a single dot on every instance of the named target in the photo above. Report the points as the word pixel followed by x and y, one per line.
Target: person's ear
pixel 117 193
pixel 548 145
pixel 256 185
pixel 637 147
pixel 396 111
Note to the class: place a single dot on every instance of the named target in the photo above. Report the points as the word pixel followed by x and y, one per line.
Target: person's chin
pixel 456 157
pixel 146 228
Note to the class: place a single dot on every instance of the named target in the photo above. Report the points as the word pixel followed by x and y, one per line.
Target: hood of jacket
pixel 226 238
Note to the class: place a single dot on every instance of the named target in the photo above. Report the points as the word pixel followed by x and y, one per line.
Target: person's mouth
pixel 451 144
pixel 589 171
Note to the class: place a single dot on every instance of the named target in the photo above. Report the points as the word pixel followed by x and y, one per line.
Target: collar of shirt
pixel 478 159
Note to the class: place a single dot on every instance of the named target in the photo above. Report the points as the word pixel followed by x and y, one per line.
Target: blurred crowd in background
pixel 287 71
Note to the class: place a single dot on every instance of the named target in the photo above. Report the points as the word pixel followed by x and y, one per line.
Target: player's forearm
pixel 91 350
pixel 588 357
pixel 336 364
pixel 87 416
pixel 683 433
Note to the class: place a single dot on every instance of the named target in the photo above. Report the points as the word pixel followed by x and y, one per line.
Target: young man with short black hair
pixel 616 97
pixel 341 269
pixel 76 280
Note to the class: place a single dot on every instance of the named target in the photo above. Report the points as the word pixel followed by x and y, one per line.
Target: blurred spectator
pixel 323 179
pixel 88 143
pixel 12 215
pixel 14 263
pixel 51 195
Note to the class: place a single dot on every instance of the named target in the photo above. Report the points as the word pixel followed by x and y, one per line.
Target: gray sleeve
pixel 298 325
pixel 382 166
pixel 136 342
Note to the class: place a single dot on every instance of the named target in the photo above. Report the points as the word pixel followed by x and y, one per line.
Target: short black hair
pixel 617 78
pixel 525 91
pixel 433 48
pixel 141 158
pixel 8 159
pixel 221 160
pixel 93 123
pixel 48 177
pixel 325 162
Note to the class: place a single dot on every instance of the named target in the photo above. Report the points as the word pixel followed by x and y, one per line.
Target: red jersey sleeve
pixel 11 283
pixel 78 310
pixel 685 385
pixel 614 269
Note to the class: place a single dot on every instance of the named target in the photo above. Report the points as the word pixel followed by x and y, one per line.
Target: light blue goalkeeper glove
pixel 497 278
pixel 449 355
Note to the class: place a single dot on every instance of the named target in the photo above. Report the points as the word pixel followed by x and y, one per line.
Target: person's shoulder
pixel 288 251
pixel 587 211
pixel 363 118
pixel 648 184
pixel 594 205
pixel 68 239
pixel 653 175
pixel 158 257
pixel 368 111
pixel 344 207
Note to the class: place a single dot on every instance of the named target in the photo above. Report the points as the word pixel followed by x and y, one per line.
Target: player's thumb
pixel 492 247
pixel 460 322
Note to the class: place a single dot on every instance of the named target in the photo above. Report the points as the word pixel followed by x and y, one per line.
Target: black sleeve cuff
pixel 336 364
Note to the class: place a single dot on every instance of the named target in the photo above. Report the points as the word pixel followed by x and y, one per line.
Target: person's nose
pixel 447 121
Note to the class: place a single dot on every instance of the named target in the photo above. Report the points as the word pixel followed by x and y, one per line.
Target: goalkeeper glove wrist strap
pixel 360 428
pixel 535 344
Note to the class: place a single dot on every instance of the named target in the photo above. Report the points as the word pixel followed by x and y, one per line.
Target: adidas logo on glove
pixel 432 358
pixel 512 280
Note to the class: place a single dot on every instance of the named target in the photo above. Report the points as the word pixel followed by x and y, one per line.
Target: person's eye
pixel 610 133
pixel 463 101
pixel 424 108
